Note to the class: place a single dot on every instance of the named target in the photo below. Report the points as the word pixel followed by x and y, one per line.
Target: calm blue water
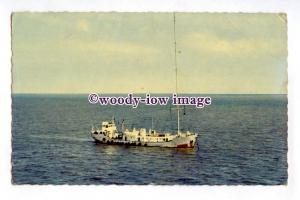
pixel 243 140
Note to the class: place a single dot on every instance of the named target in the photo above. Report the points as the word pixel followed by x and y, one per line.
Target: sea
pixel 242 141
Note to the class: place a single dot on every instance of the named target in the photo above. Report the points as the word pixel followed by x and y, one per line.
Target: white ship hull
pixel 109 135
pixel 177 142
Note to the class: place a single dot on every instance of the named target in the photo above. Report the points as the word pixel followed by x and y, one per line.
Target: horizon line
pixel 20 93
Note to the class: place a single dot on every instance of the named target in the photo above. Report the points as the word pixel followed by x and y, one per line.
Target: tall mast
pixel 175 51
pixel 176 72
pixel 152 123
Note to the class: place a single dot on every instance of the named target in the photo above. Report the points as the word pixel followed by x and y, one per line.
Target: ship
pixel 108 133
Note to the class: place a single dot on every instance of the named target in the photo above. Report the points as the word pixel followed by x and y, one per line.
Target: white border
pixel 291 7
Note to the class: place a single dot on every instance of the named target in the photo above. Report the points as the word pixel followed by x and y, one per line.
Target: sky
pixel 224 53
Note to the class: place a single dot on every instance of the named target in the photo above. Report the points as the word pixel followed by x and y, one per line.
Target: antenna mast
pixel 176 72
pixel 152 123
pixel 175 51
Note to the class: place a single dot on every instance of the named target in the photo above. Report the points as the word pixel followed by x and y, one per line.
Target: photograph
pixel 149 98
